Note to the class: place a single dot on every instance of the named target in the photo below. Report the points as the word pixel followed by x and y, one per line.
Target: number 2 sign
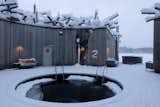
pixel 94 54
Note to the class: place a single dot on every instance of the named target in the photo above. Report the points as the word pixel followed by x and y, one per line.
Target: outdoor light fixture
pixel 82 49
pixel 78 40
pixel 60 33
pixel 19 50
pixel 91 31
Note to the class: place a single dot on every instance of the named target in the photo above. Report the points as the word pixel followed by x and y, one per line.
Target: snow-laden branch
pixel 149 11
pixel 110 19
pixel 155 12
pixel 157 6
pixel 113 16
pixel 63 20
pixel 10 1
pixel 150 18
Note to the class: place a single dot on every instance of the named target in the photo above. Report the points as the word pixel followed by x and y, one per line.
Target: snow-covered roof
pixel 8 1
pixel 154 12
pixel 9 10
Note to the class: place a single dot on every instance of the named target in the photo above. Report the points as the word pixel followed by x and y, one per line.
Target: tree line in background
pixel 136 50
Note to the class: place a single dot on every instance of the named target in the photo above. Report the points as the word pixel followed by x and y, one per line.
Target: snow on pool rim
pixel 22 99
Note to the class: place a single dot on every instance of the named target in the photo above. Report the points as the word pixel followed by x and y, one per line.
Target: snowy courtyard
pixel 63 59
pixel 141 87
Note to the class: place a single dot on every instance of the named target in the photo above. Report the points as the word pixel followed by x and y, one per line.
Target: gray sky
pixel 136 32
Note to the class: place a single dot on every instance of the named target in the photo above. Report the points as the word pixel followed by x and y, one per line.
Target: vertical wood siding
pixel 33 39
pixel 157 45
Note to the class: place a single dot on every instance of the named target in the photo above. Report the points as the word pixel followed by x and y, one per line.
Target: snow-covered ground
pixel 141 87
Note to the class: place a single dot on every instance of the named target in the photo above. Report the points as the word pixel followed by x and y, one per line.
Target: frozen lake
pixel 146 56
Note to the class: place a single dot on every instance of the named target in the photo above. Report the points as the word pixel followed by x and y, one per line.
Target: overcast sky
pixel 135 31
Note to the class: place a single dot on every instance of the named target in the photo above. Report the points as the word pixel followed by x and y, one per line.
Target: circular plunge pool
pixel 70 88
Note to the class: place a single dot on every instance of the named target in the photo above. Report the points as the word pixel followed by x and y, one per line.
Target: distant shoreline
pixel 136 50
pixel 135 53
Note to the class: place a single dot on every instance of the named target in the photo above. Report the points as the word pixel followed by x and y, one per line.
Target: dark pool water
pixel 74 91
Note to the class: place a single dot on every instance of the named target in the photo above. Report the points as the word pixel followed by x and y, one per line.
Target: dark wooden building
pixel 54 45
